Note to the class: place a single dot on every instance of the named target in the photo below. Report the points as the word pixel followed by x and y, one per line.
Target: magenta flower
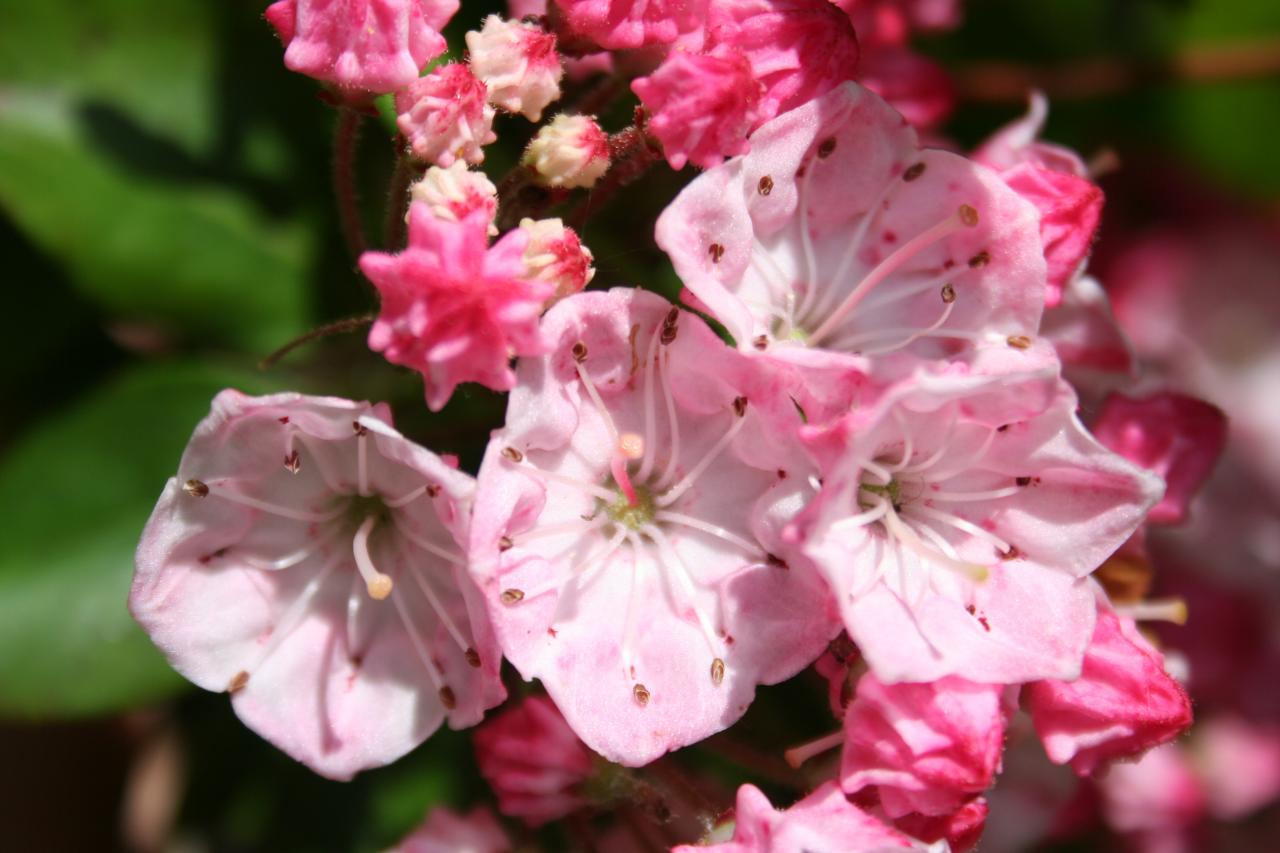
pixel 701 106
pixel 518 64
pixel 446 831
pixel 824 820
pixel 1122 704
pixel 623 24
pixel 445 116
pixel 613 535
pixel 306 560
pixel 958 518
pixel 365 45
pixel 454 308
pixel 534 762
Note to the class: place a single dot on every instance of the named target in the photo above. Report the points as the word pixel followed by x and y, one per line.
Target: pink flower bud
pixel 518 63
pixel 454 193
pixel 534 762
pixel 445 116
pixel 571 151
pixel 555 255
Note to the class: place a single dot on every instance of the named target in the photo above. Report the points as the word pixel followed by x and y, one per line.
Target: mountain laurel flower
pixel 518 64
pixel 534 762
pixel 446 831
pixel 613 535
pixel 554 254
pixel 1122 704
pixel 455 193
pixel 454 308
pixel 373 46
pixel 701 107
pixel 615 25
pixel 445 116
pixel 306 560
pixel 571 151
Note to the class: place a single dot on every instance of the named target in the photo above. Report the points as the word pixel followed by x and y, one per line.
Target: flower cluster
pixel 881 466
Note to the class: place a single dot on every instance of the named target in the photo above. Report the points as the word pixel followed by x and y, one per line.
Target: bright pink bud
pixel 961 828
pixel 1070 210
pixel 571 151
pixel 518 63
pixel 445 116
pixel 1122 704
pixel 534 762
pixel 702 107
pixel 370 45
pixel 1176 436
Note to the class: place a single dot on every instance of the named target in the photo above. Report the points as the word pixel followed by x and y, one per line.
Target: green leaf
pixel 192 260
pixel 77 490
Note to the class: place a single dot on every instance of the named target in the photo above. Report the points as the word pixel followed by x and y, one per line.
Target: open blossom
pixel 306 560
pixel 445 116
pixel 837 234
pixel 554 254
pixel 701 106
pixel 457 192
pixel 624 24
pixel 613 538
pixel 454 308
pixel 1122 704
pixel 370 45
pixel 534 762
pixel 957 520
pixel 824 821
pixel 1176 436
pixel 518 64
pixel 926 748
pixel 571 151
pixel 446 831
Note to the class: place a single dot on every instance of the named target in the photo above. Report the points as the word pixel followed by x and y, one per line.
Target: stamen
pixel 396 503
pixel 1157 610
pixel 806 240
pixel 717 671
pixel 419 645
pixel 955 466
pixel 855 244
pixel 675 566
pixel 318 458
pixel 289 560
pixel 578 527
pixel 595 396
pixel 424 543
pixel 378 584
pixel 577 574
pixel 912 336
pixel 650 414
pixel 962 497
pixel 908 538
pixel 449 625
pixel 266 506
pixel 670 470
pixel 798 755
pixel 572 482
pixel 630 446
pixel 293 617
pixel 960 524
pixel 752 550
pixel 362 462
pixel 673 494
pixel 628 618
pixel 965 217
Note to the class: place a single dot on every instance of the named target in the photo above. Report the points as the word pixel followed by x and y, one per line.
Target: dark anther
pixel 913 172
pixel 828 145
pixel 765 186
pixel 512 454
pixel 505 543
pixel 1019 341
pixel 716 251
pixel 948 294
pixel 512 596
pixel 195 488
pixel 579 352
pixel 473 658
pixel 359 428
pixel 293 463
pixel 761 342
pixel 739 406
pixel 641 693
pixel 1022 481
pixel 980 260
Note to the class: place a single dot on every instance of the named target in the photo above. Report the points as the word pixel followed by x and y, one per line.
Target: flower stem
pixel 349 324
pixel 632 151
pixel 397 200
pixel 346 136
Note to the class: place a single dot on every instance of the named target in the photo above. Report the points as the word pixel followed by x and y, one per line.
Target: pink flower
pixel 571 151
pixel 623 24
pixel 838 234
pixel 613 536
pixel 1238 763
pixel 554 254
pixel 958 518
pixel 1154 800
pixel 1095 353
pixel 1055 180
pixel 824 820
pixel 1122 704
pixel 534 762
pixel 446 831
pixel 455 193
pixel 306 560
pixel 453 308
pixel 518 64
pixel 798 49
pixel 702 107
pixel 371 45
pixel 1176 436
pixel 927 748
pixel 960 829
pixel 445 117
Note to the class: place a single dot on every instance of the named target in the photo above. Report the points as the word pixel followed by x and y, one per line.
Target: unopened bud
pixel 571 151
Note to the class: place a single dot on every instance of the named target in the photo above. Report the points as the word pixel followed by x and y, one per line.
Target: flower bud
pixel 454 193
pixel 571 151
pixel 518 63
pixel 554 254
pixel 445 117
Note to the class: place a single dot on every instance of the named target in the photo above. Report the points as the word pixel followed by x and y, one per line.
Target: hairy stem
pixel 349 324
pixel 346 136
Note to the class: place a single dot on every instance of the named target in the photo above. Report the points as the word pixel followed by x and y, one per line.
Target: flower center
pixel 634 514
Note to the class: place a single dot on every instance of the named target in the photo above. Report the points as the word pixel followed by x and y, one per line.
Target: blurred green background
pixel 166 220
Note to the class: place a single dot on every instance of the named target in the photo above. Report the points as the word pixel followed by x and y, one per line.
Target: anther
pixel 717 671
pixel 716 251
pixel 980 260
pixel 513 454
pixel 1012 554
pixel 828 145
pixel 1018 341
pixel 238 681
pixel 447 697
pixel 739 406
pixel 512 596
pixel 968 214
pixel 668 334
pixel 359 428
pixel 916 171
pixel 761 342
pixel 505 543
pixel 641 694
pixel 1022 481
pixel 293 463
pixel 948 294
pixel 765 186
pixel 579 352
pixel 473 658
pixel 433 491
pixel 195 488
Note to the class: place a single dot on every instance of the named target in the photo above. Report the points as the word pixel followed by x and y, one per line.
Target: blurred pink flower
pixel 446 831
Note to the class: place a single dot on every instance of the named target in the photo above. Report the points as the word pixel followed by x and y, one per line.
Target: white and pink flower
pixel 445 116
pixel 455 193
pixel 518 64
pixel 571 151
